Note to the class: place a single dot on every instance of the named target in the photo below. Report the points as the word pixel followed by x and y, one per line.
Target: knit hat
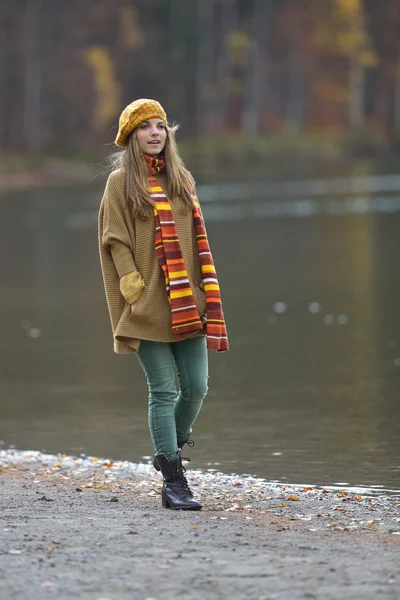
pixel 135 113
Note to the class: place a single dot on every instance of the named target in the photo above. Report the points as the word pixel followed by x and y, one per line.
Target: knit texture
pixel 127 244
pixel 135 113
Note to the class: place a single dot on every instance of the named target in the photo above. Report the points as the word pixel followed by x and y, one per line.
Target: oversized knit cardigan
pixel 127 247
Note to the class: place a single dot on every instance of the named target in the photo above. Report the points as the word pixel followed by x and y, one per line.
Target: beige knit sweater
pixel 131 270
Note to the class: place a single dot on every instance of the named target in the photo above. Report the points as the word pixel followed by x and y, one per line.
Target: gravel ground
pixel 94 529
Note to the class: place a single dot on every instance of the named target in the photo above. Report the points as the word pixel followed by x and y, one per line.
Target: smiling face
pixel 151 136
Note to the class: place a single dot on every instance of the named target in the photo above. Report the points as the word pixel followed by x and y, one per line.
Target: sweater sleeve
pixel 115 234
pixel 116 238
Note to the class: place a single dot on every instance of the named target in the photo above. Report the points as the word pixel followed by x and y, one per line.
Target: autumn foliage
pixel 224 67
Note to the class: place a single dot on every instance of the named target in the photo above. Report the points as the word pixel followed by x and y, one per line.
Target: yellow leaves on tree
pixel 106 87
pixel 131 35
pixel 238 44
pixel 343 32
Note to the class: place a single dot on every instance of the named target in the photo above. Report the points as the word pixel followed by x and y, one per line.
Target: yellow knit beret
pixel 135 113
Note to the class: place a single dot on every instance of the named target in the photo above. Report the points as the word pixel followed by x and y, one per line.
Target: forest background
pixel 245 79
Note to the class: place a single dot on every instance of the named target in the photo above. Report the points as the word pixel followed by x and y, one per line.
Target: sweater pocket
pixel 140 304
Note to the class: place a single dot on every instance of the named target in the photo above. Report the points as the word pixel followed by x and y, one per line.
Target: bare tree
pixel 33 75
pixel 175 55
pixel 229 22
pixel 205 65
pixel 4 9
pixel 294 108
pixel 356 94
pixel 396 116
pixel 255 78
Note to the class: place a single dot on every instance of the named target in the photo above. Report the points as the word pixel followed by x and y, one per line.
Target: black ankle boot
pixel 176 493
pixel 181 443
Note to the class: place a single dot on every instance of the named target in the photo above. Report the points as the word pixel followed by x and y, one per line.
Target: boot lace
pixel 185 486
pixel 184 483
pixel 190 443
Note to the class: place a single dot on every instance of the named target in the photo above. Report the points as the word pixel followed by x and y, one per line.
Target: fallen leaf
pixel 306 489
pixel 234 507
pixel 46 584
pixel 341 495
pixel 294 498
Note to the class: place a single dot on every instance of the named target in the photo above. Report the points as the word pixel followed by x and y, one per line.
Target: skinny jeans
pixel 171 413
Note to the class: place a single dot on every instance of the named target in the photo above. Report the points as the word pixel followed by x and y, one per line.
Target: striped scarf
pixel 185 316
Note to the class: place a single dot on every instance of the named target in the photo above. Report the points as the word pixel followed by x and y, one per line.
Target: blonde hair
pixel 179 180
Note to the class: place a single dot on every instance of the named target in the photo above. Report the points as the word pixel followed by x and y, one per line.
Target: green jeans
pixel 172 413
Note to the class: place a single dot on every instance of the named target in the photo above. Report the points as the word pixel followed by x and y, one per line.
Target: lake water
pixel 309 392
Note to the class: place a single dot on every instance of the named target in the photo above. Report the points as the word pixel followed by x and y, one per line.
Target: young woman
pixel 160 282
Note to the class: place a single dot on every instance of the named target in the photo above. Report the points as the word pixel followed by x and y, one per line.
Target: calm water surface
pixel 309 392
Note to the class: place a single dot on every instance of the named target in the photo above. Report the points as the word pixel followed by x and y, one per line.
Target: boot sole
pixel 167 505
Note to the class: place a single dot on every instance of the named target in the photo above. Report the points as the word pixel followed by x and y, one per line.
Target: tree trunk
pixel 396 115
pixel 3 75
pixel 229 24
pixel 255 78
pixel 294 110
pixel 356 94
pixel 205 64
pixel 175 57
pixel 32 85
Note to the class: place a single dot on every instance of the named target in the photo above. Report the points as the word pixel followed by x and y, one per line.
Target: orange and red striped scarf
pixel 185 316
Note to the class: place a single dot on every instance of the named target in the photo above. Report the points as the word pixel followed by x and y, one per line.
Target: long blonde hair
pixel 179 180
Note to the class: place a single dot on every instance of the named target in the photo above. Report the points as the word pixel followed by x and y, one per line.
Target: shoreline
pixel 52 173
pixel 23 171
pixel 95 529
pixel 219 491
